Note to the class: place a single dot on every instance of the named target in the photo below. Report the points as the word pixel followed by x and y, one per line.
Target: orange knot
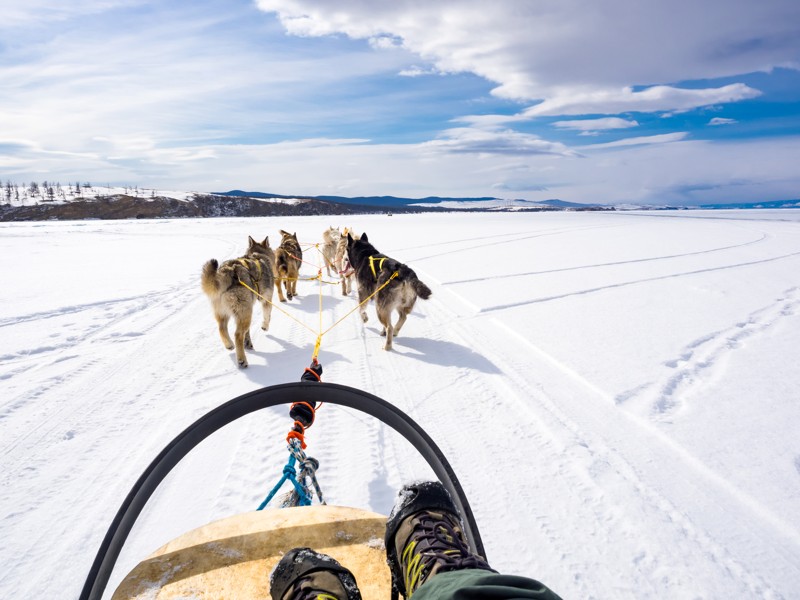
pixel 314 373
pixel 297 433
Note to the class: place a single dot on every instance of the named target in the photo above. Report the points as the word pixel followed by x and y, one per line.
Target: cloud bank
pixel 413 98
pixel 553 50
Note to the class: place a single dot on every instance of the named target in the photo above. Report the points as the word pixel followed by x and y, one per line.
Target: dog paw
pixel 229 346
pixel 242 364
pixel 364 318
pixel 383 332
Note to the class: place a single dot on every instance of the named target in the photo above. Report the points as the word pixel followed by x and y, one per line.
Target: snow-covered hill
pixel 617 392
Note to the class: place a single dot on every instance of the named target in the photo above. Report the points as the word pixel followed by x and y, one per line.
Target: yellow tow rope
pixel 321 333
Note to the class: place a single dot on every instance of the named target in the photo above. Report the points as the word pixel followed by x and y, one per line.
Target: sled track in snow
pixel 758 240
pixel 572 411
pixel 623 284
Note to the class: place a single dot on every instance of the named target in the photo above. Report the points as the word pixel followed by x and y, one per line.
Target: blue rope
pixel 289 473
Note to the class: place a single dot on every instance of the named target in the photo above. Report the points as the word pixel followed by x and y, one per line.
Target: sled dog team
pixel 234 287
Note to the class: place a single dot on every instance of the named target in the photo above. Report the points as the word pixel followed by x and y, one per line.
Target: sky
pixel 613 102
pixel 616 392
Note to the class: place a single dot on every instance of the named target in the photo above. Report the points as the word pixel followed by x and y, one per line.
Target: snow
pixel 617 392
pixel 21 195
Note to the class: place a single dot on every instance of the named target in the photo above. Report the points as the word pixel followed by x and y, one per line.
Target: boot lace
pixel 436 545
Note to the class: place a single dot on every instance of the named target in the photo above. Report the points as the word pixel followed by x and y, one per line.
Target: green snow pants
pixel 477 584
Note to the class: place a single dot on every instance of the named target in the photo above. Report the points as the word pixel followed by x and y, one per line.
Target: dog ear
pixel 364 237
pixel 265 243
pixel 250 241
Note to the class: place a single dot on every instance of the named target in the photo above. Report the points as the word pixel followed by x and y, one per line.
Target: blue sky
pixel 617 102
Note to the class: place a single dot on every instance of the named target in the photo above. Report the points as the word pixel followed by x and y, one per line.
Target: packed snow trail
pixel 583 373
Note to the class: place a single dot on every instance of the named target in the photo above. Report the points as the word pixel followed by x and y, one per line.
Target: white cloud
pixel 552 49
pixel 499 141
pixel 592 125
pixel 17 13
pixel 653 99
pixel 490 121
pixel 152 80
pixel 385 42
pixel 650 172
pixel 722 121
pixel 664 138
pixel 415 71
pixel 190 96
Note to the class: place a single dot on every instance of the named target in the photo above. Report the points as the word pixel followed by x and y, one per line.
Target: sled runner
pixel 233 557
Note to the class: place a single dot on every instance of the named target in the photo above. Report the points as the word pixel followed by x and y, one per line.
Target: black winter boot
pixel 304 574
pixel 425 536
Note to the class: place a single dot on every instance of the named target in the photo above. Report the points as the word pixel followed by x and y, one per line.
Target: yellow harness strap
pixel 245 262
pixel 372 261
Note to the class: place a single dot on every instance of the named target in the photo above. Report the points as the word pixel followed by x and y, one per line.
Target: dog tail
pixel 423 291
pixel 409 276
pixel 208 279
pixel 281 262
pixel 213 279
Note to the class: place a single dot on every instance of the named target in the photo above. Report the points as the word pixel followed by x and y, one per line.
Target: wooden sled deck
pixel 233 558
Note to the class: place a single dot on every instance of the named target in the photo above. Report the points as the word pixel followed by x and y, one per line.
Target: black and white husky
pixel 374 269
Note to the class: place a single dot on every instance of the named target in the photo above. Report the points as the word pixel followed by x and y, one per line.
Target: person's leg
pixel 430 557
pixel 304 574
pixel 477 584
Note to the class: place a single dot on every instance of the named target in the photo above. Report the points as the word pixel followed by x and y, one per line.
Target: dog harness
pixel 372 261
pixel 348 269
pixel 245 262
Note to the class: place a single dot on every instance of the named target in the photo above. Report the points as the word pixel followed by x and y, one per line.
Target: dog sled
pixel 233 557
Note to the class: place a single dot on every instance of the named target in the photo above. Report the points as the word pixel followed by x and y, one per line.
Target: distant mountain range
pixel 429 201
pixel 135 203
pixel 740 205
pixel 491 203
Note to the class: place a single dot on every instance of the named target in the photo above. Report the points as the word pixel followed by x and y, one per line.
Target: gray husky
pixel 373 270
pixel 288 259
pixel 341 262
pixel 330 239
pixel 229 298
